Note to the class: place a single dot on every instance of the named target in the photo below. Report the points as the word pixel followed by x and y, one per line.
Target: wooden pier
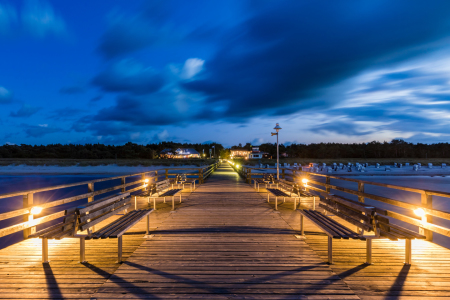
pixel 224 242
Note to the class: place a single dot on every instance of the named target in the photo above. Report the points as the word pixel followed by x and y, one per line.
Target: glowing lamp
pixel 237 166
pixel 420 212
pixel 36 210
pixel 305 181
pixel 146 180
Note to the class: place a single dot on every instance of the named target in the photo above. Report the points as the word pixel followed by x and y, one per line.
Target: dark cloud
pixel 66 114
pixel 342 127
pixel 96 98
pixel 39 131
pixel 71 90
pixel 293 50
pixel 130 77
pixel 25 111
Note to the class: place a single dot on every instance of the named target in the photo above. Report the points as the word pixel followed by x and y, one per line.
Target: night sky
pixel 224 71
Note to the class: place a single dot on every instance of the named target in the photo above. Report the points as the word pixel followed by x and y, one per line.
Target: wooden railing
pixel 28 226
pixel 425 223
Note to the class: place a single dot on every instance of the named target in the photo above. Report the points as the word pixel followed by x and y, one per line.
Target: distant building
pixel 186 153
pixel 166 153
pixel 255 154
pixel 240 152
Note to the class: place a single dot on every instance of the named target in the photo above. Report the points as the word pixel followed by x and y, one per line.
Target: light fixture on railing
pixel 36 210
pixel 420 212
pixel 305 181
pixel 237 166
pixel 146 180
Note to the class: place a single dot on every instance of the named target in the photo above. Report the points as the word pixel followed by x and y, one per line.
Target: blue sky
pixel 224 71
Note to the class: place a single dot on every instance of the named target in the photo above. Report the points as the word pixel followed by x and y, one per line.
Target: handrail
pixel 424 223
pixel 29 223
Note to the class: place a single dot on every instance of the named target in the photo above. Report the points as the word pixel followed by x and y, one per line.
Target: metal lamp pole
pixel 277 129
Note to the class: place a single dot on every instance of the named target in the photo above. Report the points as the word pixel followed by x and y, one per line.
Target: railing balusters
pixel 28 203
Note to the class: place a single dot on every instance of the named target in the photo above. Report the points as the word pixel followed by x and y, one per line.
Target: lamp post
pixel 277 129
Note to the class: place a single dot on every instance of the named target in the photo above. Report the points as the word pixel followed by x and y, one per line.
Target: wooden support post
pixel 119 250
pixel 123 180
pixel 283 174
pixel 180 197
pixel 268 195
pixel 369 251
pixel 148 225
pixel 28 203
pixel 154 203
pixel 327 181
pixel 45 251
pixel 361 190
pixel 276 203
pixel 167 173
pixel 200 176
pixel 135 203
pixel 427 201
pixel 302 225
pixel 90 199
pixel 408 252
pixel 173 202
pixel 330 250
pixel 295 203
pixel 82 250
pixel 143 178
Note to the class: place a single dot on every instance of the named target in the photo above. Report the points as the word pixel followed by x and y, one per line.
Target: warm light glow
pixel 145 185
pixel 36 210
pixel 420 212
pixel 237 166
pixel 146 180
pixel 305 181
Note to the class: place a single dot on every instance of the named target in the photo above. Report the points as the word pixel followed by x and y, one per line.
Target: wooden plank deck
pixel 225 242
pixel 387 278
pixel 23 276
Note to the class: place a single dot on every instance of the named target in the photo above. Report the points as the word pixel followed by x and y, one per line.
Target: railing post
pixel 249 176
pixel 200 175
pixel 123 180
pixel 361 190
pixel 167 173
pixel 283 175
pixel 28 202
pixel 327 181
pixel 143 178
pixel 90 199
pixel 427 201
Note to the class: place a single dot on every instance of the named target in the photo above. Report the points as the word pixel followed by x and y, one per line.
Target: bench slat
pixel 327 230
pixel 346 231
pixel 88 225
pixel 101 202
pixel 347 218
pixel 105 231
pixel 130 223
pixel 101 210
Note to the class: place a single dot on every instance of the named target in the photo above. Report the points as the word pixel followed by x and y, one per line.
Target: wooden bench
pixel 266 180
pixel 284 189
pixel 160 189
pixel 83 219
pixel 365 217
pixel 182 179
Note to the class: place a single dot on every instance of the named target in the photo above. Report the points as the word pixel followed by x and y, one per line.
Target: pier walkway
pixel 224 242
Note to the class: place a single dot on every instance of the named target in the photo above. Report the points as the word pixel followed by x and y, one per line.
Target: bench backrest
pixel 351 211
pixel 367 217
pixel 97 211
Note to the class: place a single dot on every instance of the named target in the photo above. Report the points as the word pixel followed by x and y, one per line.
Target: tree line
pixel 397 148
pixel 100 151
